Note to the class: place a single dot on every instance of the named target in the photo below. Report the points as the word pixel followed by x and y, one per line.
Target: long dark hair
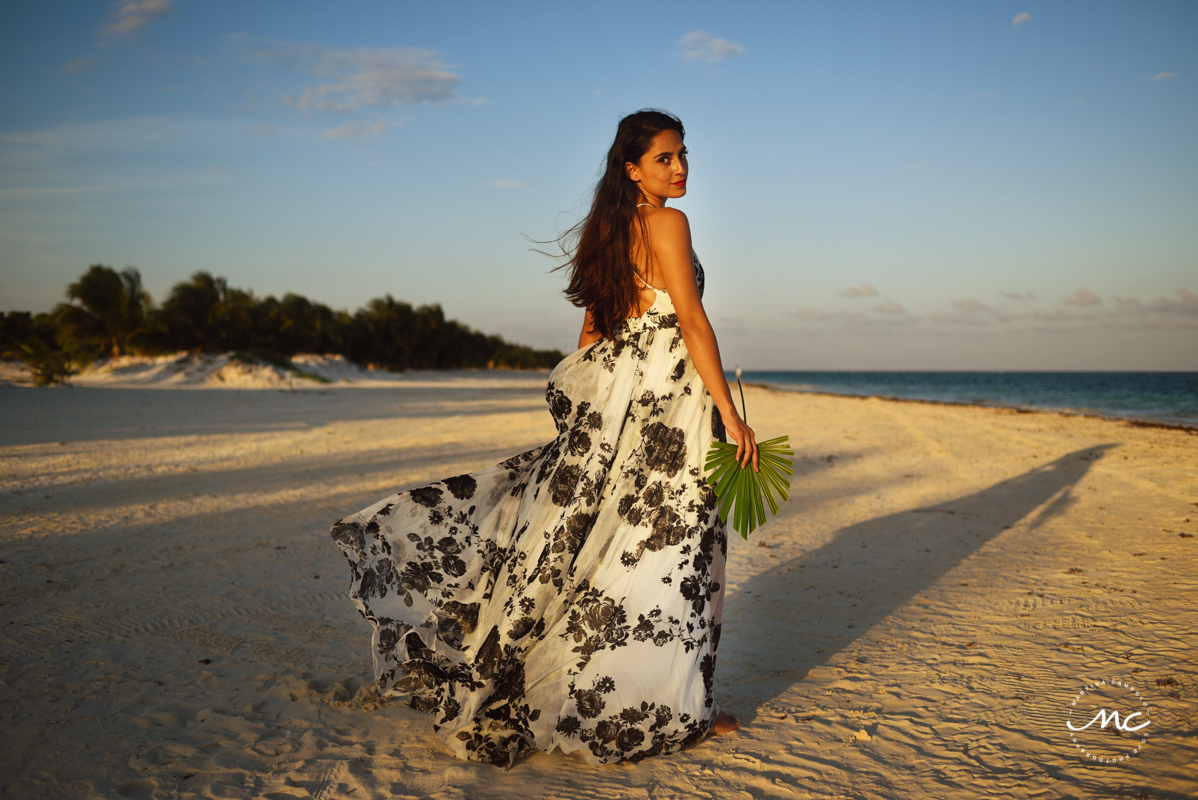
pixel 600 256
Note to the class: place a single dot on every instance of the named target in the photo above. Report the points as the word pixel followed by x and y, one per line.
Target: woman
pixel 571 597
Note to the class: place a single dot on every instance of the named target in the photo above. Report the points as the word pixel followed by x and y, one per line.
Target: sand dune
pixel 915 623
pixel 223 371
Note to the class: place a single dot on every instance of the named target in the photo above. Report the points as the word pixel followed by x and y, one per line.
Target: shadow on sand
pixel 827 598
pixel 85 413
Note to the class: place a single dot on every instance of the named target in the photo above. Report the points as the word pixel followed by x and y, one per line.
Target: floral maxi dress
pixel 571 596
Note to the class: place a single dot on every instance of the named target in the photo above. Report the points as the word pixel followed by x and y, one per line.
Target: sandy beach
pixel 915 623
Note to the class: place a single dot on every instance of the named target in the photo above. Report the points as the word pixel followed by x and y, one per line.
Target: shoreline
pixel 323 372
pixel 1133 421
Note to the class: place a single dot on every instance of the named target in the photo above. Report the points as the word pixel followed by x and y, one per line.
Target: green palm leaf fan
pixel 741 491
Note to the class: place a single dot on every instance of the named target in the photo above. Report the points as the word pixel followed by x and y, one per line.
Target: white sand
pixel 223 372
pixel 914 624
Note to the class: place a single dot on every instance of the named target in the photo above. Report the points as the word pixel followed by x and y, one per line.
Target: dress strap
pixel 637 275
pixel 638 205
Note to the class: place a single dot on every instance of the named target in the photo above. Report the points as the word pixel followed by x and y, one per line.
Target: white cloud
pixel 858 321
pixel 1185 306
pixel 45 161
pixel 1187 303
pixel 971 305
pixel 1162 76
pixel 357 129
pixel 130 16
pixel 700 46
pixel 508 184
pixel 1083 297
pixel 348 81
pixel 864 290
pixel 974 310
pixel 266 130
pixel 1020 19
pixel 971 317
pixel 132 134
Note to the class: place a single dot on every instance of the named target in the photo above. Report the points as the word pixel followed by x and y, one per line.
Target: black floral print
pixel 524 605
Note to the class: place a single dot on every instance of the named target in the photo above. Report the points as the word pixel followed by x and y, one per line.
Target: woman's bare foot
pixel 724 723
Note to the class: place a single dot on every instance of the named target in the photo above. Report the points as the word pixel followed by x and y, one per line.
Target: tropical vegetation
pixel 109 313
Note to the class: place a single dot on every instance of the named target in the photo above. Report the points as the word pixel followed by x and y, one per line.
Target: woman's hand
pixel 746 443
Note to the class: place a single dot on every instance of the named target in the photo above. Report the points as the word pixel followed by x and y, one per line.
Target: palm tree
pixel 205 316
pixel 112 308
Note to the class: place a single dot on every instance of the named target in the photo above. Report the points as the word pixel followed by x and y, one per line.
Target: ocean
pixel 1160 397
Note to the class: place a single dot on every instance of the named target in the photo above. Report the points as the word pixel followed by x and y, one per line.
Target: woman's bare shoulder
pixel 668 224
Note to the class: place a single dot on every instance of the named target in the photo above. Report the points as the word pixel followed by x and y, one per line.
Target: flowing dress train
pixel 570 597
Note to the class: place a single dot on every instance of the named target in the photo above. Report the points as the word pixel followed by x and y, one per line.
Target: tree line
pixel 110 313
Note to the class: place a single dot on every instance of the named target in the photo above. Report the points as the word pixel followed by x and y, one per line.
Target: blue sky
pixel 873 185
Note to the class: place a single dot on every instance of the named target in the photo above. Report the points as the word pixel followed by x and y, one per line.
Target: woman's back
pixel 571 596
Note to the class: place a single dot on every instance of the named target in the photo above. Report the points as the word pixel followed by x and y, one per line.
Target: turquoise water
pixel 1170 397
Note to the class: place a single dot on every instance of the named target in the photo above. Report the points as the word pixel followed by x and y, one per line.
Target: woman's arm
pixel 589 335
pixel 671 243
